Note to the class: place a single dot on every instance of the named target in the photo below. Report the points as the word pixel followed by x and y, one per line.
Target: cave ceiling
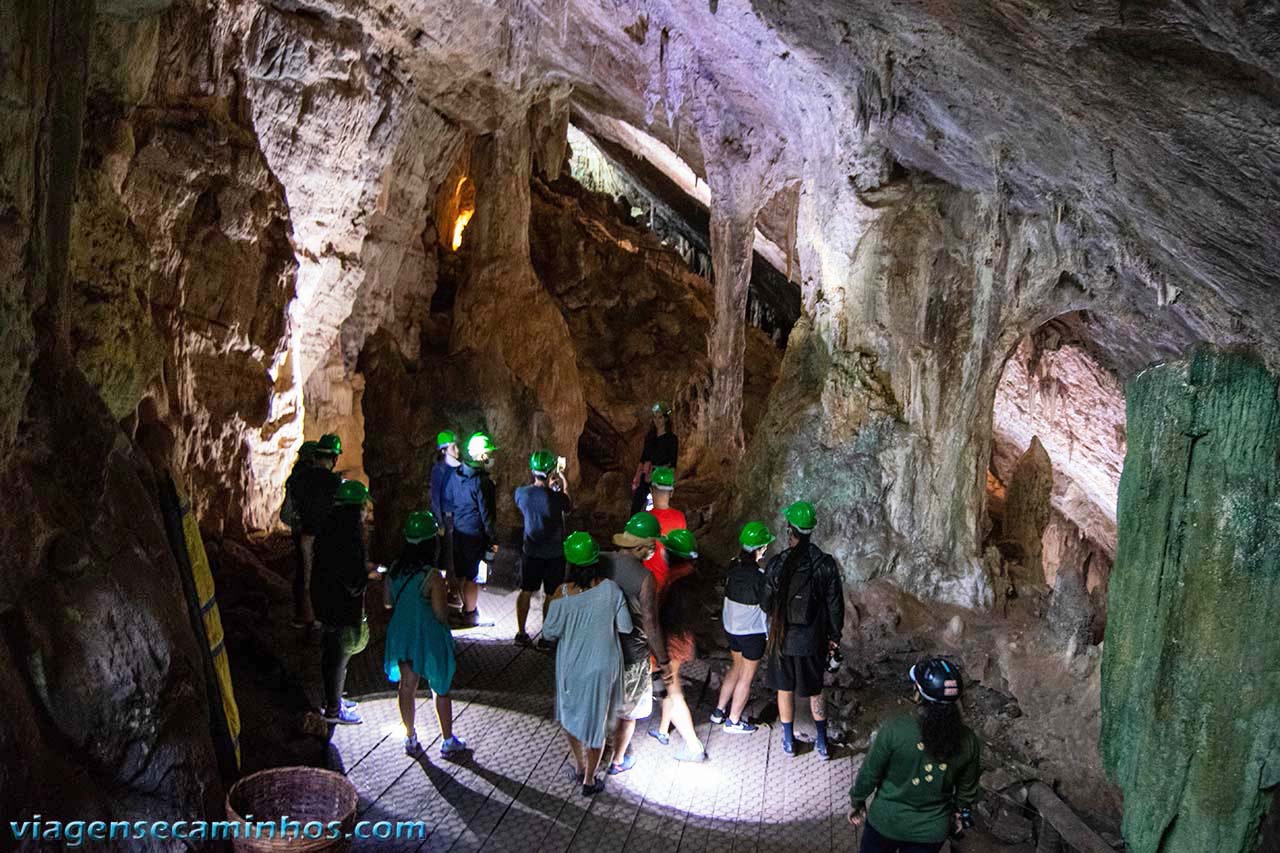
pixel 1156 125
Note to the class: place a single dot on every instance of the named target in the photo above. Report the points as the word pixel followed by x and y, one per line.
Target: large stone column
pixel 1190 684
pixel 733 227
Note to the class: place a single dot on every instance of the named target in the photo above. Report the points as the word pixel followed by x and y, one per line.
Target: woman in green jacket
pixel 923 768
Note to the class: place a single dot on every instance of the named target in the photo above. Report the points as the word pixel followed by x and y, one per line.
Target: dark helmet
pixel 937 679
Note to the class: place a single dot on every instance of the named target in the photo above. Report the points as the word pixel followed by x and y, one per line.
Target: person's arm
pixel 488 507
pixel 769 588
pixel 835 603
pixel 873 770
pixel 621 615
pixel 386 594
pixel 553 627
pixel 967 778
pixel 439 597
pixel 653 627
pixel 675 450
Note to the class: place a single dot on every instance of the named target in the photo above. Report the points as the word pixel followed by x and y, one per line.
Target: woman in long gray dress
pixel 586 616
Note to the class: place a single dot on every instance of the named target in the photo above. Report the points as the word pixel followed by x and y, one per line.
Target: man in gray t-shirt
pixel 625 567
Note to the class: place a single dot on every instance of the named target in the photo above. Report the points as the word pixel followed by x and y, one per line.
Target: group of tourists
pixel 621 624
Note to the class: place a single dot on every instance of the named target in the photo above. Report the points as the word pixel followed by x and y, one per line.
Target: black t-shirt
pixel 661 449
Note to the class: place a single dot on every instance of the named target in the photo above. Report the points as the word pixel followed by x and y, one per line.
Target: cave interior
pixel 994 286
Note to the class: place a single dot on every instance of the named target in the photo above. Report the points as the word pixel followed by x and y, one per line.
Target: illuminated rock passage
pixel 902 260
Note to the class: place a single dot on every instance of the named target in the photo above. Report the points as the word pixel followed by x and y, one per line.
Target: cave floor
pixel 511 792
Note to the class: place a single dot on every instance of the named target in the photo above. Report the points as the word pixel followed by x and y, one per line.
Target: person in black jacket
pixel 337 594
pixel 472 497
pixel 661 448
pixel 803 597
pixel 314 490
pixel 745 625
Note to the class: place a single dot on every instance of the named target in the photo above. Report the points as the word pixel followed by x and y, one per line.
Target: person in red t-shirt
pixel 663 484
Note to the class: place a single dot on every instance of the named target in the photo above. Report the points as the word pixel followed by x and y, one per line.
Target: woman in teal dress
pixel 419 643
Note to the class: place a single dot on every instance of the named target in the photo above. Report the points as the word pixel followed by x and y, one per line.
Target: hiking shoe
pixel 342 717
pixel 412 746
pixel 691 757
pixel 718 715
pixel 453 746
pixel 628 761
pixel 741 727
pixel 596 786
pixel 464 619
pixel 523 639
pixel 659 737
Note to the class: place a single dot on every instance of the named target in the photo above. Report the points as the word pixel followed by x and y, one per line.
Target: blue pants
pixel 874 842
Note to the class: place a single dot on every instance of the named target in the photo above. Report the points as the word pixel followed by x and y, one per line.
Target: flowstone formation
pixel 1190 690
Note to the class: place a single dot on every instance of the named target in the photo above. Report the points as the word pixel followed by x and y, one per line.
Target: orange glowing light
pixel 464 195
pixel 459 225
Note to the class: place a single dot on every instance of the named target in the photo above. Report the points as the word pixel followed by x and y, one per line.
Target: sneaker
pixel 659 737
pixel 453 746
pixel 594 788
pixel 342 717
pixel 718 715
pixel 412 746
pixel 788 747
pixel 741 727
pixel 627 763
pixel 350 704
pixel 825 750
pixel 691 757
pixel 523 639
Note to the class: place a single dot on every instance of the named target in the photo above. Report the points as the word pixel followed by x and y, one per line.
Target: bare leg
pixel 676 711
pixel 622 739
pixel 742 689
pixel 522 610
pixel 408 697
pixel 470 596
pixel 593 763
pixel 818 707
pixel 576 748
pixel 786 706
pixel 444 716
pixel 730 680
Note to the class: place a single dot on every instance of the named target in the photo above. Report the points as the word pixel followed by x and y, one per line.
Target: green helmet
pixel 643 525
pixel 308 449
pixel 663 477
pixel 680 542
pixel 445 437
pixel 755 535
pixel 543 462
pixel 420 526
pixel 801 516
pixel 581 550
pixel 661 408
pixel 479 445
pixel 351 492
pixel 329 444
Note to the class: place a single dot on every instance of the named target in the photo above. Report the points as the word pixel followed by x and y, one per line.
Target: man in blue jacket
pixel 448 460
pixel 472 497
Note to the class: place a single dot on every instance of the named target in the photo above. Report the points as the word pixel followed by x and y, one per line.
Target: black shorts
pixel 803 675
pixel 544 572
pixel 468 551
pixel 750 646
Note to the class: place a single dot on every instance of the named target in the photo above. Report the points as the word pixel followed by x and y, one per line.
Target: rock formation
pixel 1189 690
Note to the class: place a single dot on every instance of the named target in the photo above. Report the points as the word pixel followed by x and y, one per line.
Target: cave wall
pixel 106 713
pixel 1189 685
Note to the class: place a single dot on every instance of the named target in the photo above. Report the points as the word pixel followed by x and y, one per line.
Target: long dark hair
pixel 678 610
pixel 941 728
pixel 778 610
pixel 666 426
pixel 415 557
pixel 582 576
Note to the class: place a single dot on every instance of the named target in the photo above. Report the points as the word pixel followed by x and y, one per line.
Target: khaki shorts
pixel 637 691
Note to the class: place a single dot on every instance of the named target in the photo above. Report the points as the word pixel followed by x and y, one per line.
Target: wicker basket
pixel 304 794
